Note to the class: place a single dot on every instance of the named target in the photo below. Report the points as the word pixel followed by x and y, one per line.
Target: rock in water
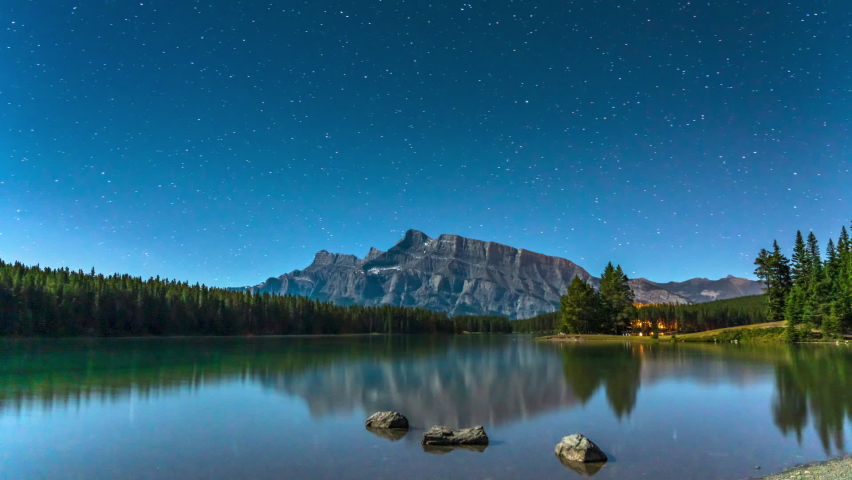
pixel 578 448
pixel 440 435
pixel 387 420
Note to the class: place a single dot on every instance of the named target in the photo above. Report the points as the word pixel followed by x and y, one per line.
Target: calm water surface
pixel 294 407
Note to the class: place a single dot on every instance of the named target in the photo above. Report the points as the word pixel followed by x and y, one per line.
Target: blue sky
pixel 224 142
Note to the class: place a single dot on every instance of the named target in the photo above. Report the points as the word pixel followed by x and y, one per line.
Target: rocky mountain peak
pixel 413 238
pixel 372 254
pixel 324 258
pixel 462 275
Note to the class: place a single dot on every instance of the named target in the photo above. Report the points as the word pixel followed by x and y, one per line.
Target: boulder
pixel 443 436
pixel 387 420
pixel 578 448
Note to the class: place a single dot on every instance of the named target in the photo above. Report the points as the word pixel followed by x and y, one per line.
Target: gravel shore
pixel 837 469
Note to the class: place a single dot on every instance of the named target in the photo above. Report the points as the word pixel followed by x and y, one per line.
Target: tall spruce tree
pixel 800 262
pixel 832 266
pixel 843 245
pixel 773 269
pixel 844 280
pixel 818 288
pixel 580 308
pixel 616 300
pixel 813 253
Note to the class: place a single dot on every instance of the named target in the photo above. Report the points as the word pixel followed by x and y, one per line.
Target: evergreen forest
pixel 542 323
pixel 483 323
pixel 38 301
pixel 808 291
pixel 699 317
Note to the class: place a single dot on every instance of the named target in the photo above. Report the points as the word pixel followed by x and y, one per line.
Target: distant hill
pixel 699 290
pixel 464 276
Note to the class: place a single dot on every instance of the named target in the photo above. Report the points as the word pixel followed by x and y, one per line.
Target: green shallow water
pixel 294 407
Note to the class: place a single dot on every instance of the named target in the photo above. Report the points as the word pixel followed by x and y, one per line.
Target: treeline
pixel 807 291
pixel 542 323
pixel 700 317
pixel 483 324
pixel 38 301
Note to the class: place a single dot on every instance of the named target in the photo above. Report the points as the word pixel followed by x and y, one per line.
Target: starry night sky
pixel 224 142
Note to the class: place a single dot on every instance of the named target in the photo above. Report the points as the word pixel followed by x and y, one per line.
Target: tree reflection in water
pixel 615 367
pixel 815 382
pixel 812 382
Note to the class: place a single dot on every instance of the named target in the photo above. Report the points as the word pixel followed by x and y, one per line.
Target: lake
pixel 294 407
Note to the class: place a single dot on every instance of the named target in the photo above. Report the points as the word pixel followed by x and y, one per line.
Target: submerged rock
pixel 387 420
pixel 392 434
pixel 444 436
pixel 578 448
pixel 445 449
pixel 582 468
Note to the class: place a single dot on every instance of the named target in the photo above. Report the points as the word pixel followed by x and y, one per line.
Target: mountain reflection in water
pixel 456 381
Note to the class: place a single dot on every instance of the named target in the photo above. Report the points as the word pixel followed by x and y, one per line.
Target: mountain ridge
pixel 461 275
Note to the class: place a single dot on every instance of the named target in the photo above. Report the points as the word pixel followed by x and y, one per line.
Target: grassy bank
pixel 772 332
pixel 837 469
pixel 596 338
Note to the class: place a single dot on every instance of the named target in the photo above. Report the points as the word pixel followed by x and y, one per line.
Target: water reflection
pixel 815 382
pixel 580 468
pixel 475 381
pixel 617 368
pixel 392 434
pixel 69 373
pixel 458 381
pixel 812 383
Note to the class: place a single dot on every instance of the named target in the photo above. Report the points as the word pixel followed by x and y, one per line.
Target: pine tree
pixel 813 253
pixel 616 300
pixel 843 245
pixel 580 308
pixel 830 253
pixel 832 325
pixel 608 290
pixel 844 280
pixel 800 262
pixel 763 267
pixel 773 269
pixel 794 311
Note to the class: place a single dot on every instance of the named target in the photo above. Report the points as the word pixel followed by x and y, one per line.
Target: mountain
pixel 459 275
pixel 699 290
pixel 646 291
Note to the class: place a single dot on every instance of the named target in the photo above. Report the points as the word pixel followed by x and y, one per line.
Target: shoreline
pixel 833 469
pixel 583 338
